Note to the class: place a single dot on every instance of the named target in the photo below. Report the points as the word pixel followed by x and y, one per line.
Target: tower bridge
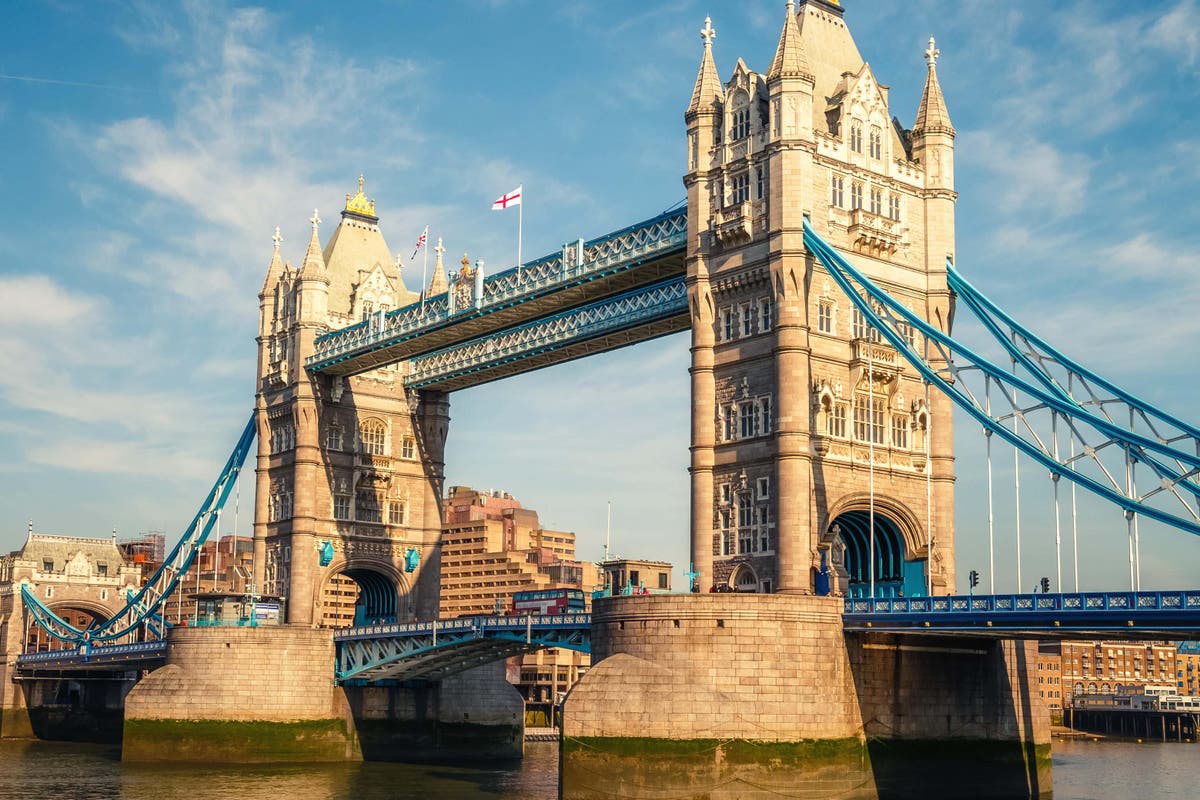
pixel 814 266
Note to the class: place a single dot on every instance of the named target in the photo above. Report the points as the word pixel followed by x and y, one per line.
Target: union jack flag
pixel 420 242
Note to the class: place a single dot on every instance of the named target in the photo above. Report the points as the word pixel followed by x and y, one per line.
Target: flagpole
pixel 424 270
pixel 520 225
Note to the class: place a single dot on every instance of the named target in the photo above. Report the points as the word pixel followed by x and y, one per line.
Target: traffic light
pixel 1045 586
pixel 974 576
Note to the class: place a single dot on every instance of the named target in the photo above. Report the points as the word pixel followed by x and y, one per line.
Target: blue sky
pixel 151 148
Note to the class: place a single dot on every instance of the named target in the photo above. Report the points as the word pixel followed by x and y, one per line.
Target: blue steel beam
pixel 1128 615
pixel 435 650
pixel 637 316
pixel 641 254
pixel 141 607
pixel 1032 417
pixel 138 655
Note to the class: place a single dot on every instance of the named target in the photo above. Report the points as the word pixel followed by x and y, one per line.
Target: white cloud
pixel 1029 176
pixel 37 300
pixel 1178 32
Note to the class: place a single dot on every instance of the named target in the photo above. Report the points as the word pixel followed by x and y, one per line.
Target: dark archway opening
pixel 358 596
pixel 894 574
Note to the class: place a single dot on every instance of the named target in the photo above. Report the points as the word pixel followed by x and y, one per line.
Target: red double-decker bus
pixel 548 601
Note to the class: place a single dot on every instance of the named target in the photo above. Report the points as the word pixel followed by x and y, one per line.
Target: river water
pixel 34 770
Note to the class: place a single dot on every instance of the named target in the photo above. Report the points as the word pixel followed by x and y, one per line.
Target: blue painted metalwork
pixel 326 553
pixel 1133 614
pixel 412 557
pixel 1097 438
pixel 434 650
pixel 141 609
pixel 615 252
pixel 136 654
pixel 502 353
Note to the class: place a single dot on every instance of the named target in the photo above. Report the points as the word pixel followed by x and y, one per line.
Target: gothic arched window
pixel 856 137
pixel 876 142
pixel 739 127
pixel 372 433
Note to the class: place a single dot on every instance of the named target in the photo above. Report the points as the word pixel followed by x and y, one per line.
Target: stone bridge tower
pixel 806 428
pixel 349 465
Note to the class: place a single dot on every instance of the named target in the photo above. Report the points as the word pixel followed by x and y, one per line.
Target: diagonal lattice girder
pixel 1061 375
pixel 1095 452
pixel 435 650
pixel 351 349
pixel 142 606
pixel 502 353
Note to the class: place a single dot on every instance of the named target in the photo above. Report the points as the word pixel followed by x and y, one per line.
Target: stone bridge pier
pixel 268 694
pixel 700 695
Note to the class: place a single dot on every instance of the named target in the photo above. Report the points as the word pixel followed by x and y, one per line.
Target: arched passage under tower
pixel 358 595
pixel 897 573
pixel 80 614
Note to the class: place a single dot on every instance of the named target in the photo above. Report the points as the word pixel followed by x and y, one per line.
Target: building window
pixel 341 506
pixel 373 435
pixel 764 314
pixel 102 570
pixel 747 412
pixel 894 207
pixel 741 124
pixel 837 185
pixel 741 188
pixel 408 447
pixel 727 329
pixel 760 184
pixel 662 580
pixel 856 195
pixel 730 423
pixel 856 137
pixel 876 142
pixel 283 436
pixel 333 437
pixel 876 202
pixel 825 316
pixel 726 494
pixel 396 512
pixel 47 565
pixel 747 320
pixel 764 410
pixel 367 508
pixel 900 431
pixel 837 421
pixel 861 329
pixel 764 488
pixel 868 418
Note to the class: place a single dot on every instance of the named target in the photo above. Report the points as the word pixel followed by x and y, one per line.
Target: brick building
pixel 1092 667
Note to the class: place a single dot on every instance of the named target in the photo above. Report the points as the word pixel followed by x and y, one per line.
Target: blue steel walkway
pixel 1088 615
pixel 632 258
pixel 109 658
pixel 435 650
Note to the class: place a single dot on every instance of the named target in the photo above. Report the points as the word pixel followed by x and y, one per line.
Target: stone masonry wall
pixel 758 667
pixel 276 674
pixel 945 688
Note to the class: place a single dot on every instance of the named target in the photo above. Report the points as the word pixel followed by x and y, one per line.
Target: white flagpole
pixel 520 225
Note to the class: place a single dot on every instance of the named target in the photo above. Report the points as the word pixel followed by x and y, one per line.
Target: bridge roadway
pixel 437 649
pixel 622 267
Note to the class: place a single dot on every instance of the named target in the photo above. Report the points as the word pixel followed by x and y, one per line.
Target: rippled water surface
pixel 1082 771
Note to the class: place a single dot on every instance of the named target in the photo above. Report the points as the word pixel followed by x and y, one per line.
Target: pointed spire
pixel 314 262
pixel 438 283
pixel 274 269
pixel 932 116
pixel 790 61
pixel 708 91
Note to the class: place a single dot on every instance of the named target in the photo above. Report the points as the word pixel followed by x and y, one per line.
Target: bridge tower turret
pixel 350 469
pixel 807 429
pixel 704 119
